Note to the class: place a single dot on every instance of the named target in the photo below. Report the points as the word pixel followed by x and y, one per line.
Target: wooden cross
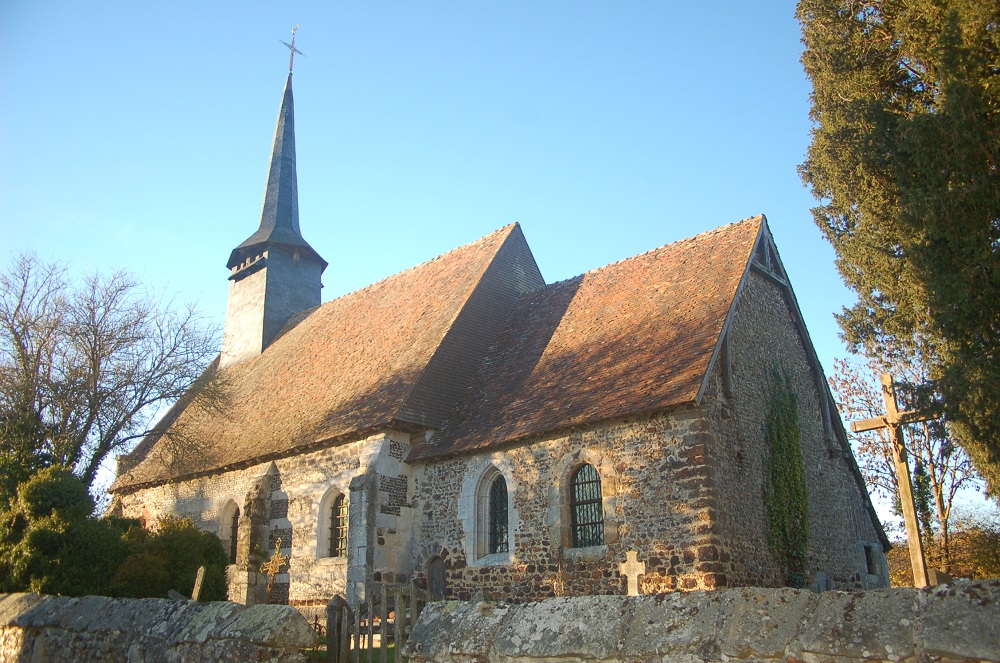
pixel 893 421
pixel 292 49
pixel 272 567
pixel 632 569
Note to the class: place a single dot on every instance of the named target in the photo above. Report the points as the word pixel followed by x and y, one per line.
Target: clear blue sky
pixel 137 135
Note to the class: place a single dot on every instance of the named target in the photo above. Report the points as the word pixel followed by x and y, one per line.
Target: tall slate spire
pixel 274 274
pixel 279 217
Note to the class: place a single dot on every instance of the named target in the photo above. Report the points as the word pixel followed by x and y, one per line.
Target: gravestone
pixel 821 583
pixel 632 569
pixel 199 580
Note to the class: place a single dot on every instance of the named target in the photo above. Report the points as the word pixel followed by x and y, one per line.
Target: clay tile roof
pixel 632 337
pixel 346 367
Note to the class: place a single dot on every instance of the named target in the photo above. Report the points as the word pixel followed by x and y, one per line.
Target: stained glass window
pixel 586 507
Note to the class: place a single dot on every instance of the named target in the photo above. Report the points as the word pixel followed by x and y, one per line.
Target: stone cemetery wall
pixel 38 629
pixel 955 622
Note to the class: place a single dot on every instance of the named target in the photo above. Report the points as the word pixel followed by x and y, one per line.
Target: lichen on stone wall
pixel 957 622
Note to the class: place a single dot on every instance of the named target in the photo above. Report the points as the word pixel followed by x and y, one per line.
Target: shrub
pixel 168 558
pixel 50 543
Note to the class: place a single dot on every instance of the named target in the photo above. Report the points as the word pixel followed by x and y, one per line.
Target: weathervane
pixel 292 49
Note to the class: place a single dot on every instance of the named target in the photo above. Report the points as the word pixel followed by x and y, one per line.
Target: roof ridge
pixel 685 240
pixel 509 228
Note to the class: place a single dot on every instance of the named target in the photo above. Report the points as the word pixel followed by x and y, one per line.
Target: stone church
pixel 466 425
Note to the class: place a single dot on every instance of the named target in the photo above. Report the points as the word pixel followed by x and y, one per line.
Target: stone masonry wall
pixel 36 629
pixel 960 622
pixel 656 501
pixel 683 489
pixel 764 337
pixel 298 485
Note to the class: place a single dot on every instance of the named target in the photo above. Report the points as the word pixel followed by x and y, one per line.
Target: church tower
pixel 274 274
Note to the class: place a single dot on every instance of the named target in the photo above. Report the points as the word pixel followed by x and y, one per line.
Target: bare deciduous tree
pixel 946 466
pixel 86 367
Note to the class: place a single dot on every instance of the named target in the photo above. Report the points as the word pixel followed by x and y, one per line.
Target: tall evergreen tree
pixel 905 161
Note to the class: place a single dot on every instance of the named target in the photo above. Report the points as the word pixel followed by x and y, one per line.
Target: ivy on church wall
pixel 785 499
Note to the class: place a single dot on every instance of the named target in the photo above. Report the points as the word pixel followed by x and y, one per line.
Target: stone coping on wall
pixel 39 628
pixel 957 622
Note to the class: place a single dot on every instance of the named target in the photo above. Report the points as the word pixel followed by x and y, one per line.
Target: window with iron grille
pixel 586 507
pixel 338 527
pixel 497 533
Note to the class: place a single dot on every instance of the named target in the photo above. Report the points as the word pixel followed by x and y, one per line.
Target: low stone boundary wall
pixel 37 629
pixel 951 623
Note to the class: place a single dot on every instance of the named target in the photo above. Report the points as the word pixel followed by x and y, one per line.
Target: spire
pixel 274 274
pixel 279 217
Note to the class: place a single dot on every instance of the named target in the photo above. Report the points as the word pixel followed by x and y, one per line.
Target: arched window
pixel 229 529
pixel 338 527
pixel 586 507
pixel 488 514
pixel 234 538
pixel 332 525
pixel 497 519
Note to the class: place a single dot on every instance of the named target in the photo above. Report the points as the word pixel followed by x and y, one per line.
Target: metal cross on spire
pixel 292 50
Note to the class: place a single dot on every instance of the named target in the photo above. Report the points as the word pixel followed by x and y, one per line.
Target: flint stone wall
pixel 949 623
pixel 37 629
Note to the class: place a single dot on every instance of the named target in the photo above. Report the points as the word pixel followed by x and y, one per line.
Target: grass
pixel 376 656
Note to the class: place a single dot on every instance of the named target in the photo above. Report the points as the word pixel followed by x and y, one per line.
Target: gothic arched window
pixel 229 528
pixel 497 519
pixel 586 507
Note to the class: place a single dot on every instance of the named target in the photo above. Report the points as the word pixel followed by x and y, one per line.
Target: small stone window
pixel 338 527
pixel 497 520
pixel 586 507
pixel 870 564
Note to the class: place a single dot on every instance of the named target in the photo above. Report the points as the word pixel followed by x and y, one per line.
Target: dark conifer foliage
pixel 905 161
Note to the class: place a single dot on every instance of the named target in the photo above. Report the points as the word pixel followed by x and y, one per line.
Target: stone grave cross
pixel 199 580
pixel 632 569
pixel 272 567
pixel 893 421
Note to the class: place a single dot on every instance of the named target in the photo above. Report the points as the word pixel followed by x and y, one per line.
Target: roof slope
pixel 632 337
pixel 351 365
